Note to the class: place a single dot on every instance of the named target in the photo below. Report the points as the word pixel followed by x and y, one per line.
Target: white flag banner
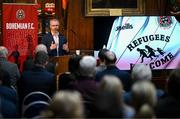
pixel 151 40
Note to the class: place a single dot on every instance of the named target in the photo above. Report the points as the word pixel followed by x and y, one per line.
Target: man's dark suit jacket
pixel 9 94
pixel 48 39
pixel 29 65
pixel 11 69
pixel 8 109
pixel 122 75
pixel 37 79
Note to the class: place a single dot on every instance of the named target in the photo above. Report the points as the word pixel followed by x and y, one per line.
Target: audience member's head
pixel 87 66
pixel 41 47
pixel 67 104
pixel 109 97
pixel 145 112
pixel 3 51
pixel 41 58
pixel 73 64
pixel 111 84
pixel 141 72
pixel 143 93
pixel 101 54
pixel 173 83
pixel 110 58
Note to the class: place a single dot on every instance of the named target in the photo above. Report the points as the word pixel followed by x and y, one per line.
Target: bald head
pixel 141 72
pixel 41 47
pixel 87 66
pixel 3 51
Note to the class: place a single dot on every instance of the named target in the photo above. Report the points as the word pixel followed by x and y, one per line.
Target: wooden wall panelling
pixel 155 7
pixel 79 27
pixel 58 14
pixel 24 1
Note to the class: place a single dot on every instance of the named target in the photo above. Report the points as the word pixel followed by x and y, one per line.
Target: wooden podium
pixel 61 63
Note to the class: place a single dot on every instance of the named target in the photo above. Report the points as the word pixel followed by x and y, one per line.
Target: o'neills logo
pixel 126 26
pixel 20 14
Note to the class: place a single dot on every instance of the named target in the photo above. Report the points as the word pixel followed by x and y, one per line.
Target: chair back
pixel 36 96
pixel 34 109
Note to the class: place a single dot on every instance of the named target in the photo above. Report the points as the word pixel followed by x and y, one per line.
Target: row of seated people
pixel 15 86
pixel 105 90
pixel 108 102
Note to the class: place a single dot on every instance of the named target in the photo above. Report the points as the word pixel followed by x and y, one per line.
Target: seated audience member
pixel 9 67
pixel 6 91
pixel 37 79
pixel 66 79
pixel 73 65
pixel 101 56
pixel 29 63
pixel 65 104
pixel 169 106
pixel 110 60
pixel 85 82
pixel 50 66
pixel 109 101
pixel 143 92
pixel 8 99
pixel 141 72
pixel 40 47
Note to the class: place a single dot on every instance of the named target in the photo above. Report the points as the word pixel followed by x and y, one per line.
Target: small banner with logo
pixel 20 30
pixel 151 40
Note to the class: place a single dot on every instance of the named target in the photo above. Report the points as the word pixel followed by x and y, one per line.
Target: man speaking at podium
pixel 55 42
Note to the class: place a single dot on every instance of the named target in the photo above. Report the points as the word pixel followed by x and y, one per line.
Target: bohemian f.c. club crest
pixel 20 14
pixel 165 21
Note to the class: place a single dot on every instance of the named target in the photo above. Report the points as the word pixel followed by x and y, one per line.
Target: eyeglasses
pixel 54 25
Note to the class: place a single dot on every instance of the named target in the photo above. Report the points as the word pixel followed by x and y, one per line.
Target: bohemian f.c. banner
pixel 20 27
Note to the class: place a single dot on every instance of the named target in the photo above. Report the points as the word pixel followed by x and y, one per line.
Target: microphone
pixel 75 34
pixel 76 38
pixel 73 31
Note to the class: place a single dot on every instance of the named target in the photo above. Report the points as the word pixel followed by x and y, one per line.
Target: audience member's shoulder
pixel 12 64
pixel 8 93
pixel 25 72
pixel 49 74
pixel 7 89
pixel 8 109
pixel 125 72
